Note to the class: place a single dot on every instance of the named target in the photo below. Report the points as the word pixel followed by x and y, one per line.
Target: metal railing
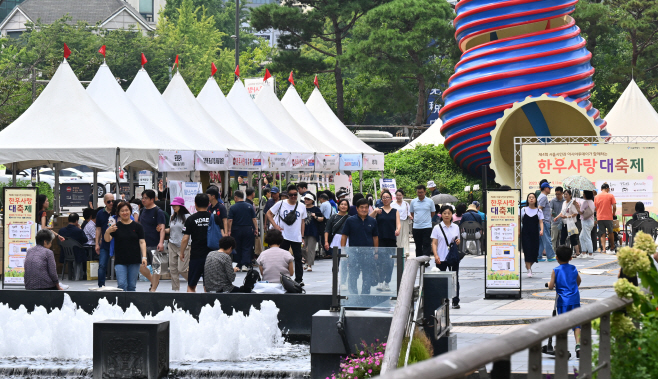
pixel 461 362
pixel 404 313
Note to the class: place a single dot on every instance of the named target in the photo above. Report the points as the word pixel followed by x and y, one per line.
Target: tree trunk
pixel 420 108
pixel 338 73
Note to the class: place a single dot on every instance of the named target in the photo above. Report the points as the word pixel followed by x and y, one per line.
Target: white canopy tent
pixel 632 114
pixel 431 136
pixel 294 104
pixel 213 101
pixel 64 125
pixel 182 101
pixel 146 97
pixel 111 98
pixel 268 103
pixel 323 113
pixel 250 113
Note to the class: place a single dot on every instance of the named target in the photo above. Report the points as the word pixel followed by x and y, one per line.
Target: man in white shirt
pixel 422 210
pixel 292 233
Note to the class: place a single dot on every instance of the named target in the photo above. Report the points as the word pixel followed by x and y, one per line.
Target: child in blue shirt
pixel 565 279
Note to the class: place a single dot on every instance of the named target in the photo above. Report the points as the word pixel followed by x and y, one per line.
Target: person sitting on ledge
pixel 40 267
pixel 218 272
pixel 275 261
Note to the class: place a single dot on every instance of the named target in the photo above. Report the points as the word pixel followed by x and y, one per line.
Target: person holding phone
pixel 129 247
pixel 388 223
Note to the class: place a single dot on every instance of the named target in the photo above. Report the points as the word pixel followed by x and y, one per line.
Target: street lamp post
pixel 237 32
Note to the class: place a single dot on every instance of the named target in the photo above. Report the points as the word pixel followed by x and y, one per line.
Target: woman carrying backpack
pixel 443 236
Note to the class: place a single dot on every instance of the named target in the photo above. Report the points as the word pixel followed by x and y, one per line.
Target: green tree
pixel 406 40
pixel 322 26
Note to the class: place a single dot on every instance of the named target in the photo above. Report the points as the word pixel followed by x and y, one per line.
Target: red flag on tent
pixel 267 75
pixel 102 50
pixel 290 79
pixel 67 51
pixel 175 62
pixel 315 81
pixel 213 69
pixel 237 71
pixel 143 59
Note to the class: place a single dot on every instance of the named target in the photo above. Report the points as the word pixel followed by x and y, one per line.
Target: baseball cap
pixel 274 190
pixel 309 196
pixel 545 185
pixel 431 184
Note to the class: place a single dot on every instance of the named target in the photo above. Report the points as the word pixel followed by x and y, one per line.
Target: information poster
pixel 186 190
pixel 74 194
pixel 503 259
pixel 343 183
pixel 176 160
pixel 351 162
pixel 389 184
pixel 19 231
pixel 277 161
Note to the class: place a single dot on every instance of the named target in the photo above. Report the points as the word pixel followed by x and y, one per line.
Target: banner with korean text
pixel 176 160
pixel 302 162
pixel 626 168
pixel 211 160
pixel 20 229
pixel 327 162
pixel 245 161
pixel 373 162
pixel 503 260
pixel 276 161
pixel 351 162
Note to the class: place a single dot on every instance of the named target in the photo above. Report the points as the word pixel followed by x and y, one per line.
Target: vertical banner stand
pixel 502 263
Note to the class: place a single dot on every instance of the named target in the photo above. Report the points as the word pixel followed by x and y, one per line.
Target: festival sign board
pixel 302 162
pixel 255 85
pixel 388 184
pixel 625 167
pixel 211 160
pixel 503 259
pixel 373 162
pixel 186 190
pixel 20 230
pixel 176 160
pixel 351 162
pixel 276 161
pixel 74 194
pixel 327 162
pixel 245 161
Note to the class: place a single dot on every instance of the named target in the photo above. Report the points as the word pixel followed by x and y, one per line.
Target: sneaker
pixel 305 267
pixel 380 287
pixel 310 268
pixel 529 274
pixel 386 287
pixel 301 284
pixel 552 260
pixel 456 306
pixel 245 268
pixel 577 351
pixel 64 286
pixel 541 260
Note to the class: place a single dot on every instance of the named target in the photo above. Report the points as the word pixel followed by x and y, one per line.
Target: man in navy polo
pixel 361 230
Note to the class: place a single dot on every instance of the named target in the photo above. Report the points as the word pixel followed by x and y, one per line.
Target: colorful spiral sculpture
pixel 516 51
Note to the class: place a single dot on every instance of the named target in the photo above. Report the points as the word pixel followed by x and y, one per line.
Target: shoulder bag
pixel 290 285
pixel 336 227
pixel 454 255
pixel 290 217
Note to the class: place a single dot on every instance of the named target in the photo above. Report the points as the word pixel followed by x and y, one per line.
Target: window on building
pixel 7 6
pixel 146 9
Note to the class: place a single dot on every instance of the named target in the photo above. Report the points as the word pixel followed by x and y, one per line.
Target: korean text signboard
pixel 176 160
pixel 626 168
pixel 75 194
pixel 503 260
pixel 20 231
pixel 389 184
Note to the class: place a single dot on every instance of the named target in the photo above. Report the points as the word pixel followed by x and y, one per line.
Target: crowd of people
pixel 141 234
pixel 582 220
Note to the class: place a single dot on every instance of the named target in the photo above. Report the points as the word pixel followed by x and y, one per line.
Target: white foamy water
pixel 67 333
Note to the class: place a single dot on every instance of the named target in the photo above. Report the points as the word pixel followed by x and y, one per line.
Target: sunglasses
pixel 292 195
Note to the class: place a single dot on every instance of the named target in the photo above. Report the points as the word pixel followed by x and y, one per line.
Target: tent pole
pixel 117 172
pixel 260 213
pixel 13 174
pixel 131 182
pixel 361 181
pixel 58 167
pixel 94 189
pixel 225 183
pixel 250 179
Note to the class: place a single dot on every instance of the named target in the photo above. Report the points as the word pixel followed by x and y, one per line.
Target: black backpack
pixel 251 279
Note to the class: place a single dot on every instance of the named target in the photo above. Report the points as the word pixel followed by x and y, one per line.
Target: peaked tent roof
pixel 268 103
pixel 65 125
pixel 109 96
pixel 143 93
pixel 182 101
pixel 431 136
pixel 249 111
pixel 295 106
pixel 213 101
pixel 321 111
pixel 632 114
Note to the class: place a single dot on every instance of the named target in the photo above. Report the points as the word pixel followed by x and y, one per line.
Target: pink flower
pixel 362 353
pixel 369 371
pixel 377 362
pixel 384 344
pixel 351 370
